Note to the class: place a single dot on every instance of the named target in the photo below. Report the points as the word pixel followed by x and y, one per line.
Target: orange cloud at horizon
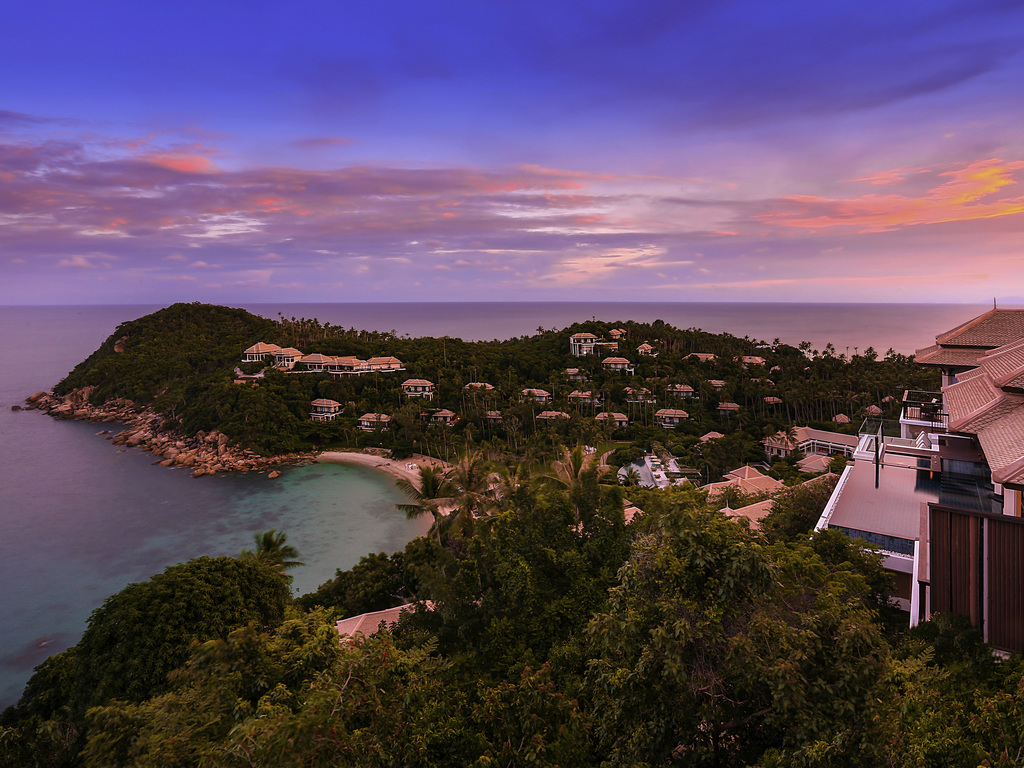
pixel 953 200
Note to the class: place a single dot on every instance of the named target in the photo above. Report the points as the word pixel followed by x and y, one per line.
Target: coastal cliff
pixel 205 453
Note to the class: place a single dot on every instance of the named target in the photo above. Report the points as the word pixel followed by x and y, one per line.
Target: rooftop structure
pixel 619 419
pixel 418 388
pixel 369 422
pixel 670 418
pixel 323 409
pixel 808 441
pixel 944 501
pixel 680 390
pixel 552 415
pixel 539 395
pixel 746 480
pixel 958 350
pixel 618 364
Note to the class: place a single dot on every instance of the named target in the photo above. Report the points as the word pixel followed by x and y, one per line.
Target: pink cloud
pixel 958 199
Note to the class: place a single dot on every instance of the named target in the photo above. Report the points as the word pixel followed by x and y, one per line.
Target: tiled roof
pixel 671 413
pixel 260 348
pixel 936 355
pixel 1003 444
pixel 753 512
pixel 711 436
pixel 383 418
pixel 984 402
pixel 552 415
pixel 317 358
pixel 992 329
pixel 417 383
pixel 814 462
pixel 609 415
pixel 728 406
pixel 325 403
pixel 615 361
pixel 804 434
pixel 479 385
pixel 968 398
pixel 367 624
pixel 1004 363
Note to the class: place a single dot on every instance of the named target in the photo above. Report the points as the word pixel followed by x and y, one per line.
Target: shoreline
pixel 401 469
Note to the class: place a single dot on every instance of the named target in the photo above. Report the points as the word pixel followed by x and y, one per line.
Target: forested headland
pixel 543 629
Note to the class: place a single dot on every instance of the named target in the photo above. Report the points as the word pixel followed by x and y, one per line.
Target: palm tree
pixel 272 550
pixel 432 492
pixel 511 479
pixel 632 477
pixel 474 489
pixel 572 473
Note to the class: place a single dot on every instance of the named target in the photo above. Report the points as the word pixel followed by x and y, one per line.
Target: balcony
pixel 922 411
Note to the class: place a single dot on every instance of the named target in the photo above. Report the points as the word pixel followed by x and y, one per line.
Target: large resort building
pixel 292 360
pixel 944 500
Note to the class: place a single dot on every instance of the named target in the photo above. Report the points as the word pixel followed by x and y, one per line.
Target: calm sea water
pixel 80 519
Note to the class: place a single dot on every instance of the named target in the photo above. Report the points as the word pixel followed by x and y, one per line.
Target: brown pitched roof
pixel 987 402
pixel 992 329
pixel 260 348
pixel 671 413
pixel 552 415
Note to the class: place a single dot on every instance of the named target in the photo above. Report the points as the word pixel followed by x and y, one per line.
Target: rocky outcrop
pixel 205 453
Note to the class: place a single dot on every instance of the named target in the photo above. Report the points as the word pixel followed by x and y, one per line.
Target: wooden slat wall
pixel 955 575
pixel 958 576
pixel 1006 583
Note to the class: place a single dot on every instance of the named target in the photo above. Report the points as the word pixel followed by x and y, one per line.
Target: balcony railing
pixel 924 407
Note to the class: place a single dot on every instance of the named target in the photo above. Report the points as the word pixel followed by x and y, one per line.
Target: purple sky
pixel 679 151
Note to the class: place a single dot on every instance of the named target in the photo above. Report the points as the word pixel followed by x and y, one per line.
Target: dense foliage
pixel 180 361
pixel 557 635
pixel 542 629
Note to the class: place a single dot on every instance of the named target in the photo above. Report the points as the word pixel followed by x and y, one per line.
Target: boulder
pixel 273 475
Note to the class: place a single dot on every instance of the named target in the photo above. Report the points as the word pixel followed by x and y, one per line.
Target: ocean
pixel 81 519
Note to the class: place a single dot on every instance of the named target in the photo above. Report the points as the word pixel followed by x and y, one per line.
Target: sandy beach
pixel 407 469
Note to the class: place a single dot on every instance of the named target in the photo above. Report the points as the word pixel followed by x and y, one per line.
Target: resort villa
pixel 618 419
pixel 552 416
pixel 370 422
pixel 670 418
pixel 944 500
pixel 680 390
pixel 581 344
pixel 536 395
pixel 618 364
pixel 291 359
pixel 638 395
pixel 810 441
pixel 324 409
pixel 418 388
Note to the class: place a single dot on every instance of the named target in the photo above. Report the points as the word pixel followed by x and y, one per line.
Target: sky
pixel 663 150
